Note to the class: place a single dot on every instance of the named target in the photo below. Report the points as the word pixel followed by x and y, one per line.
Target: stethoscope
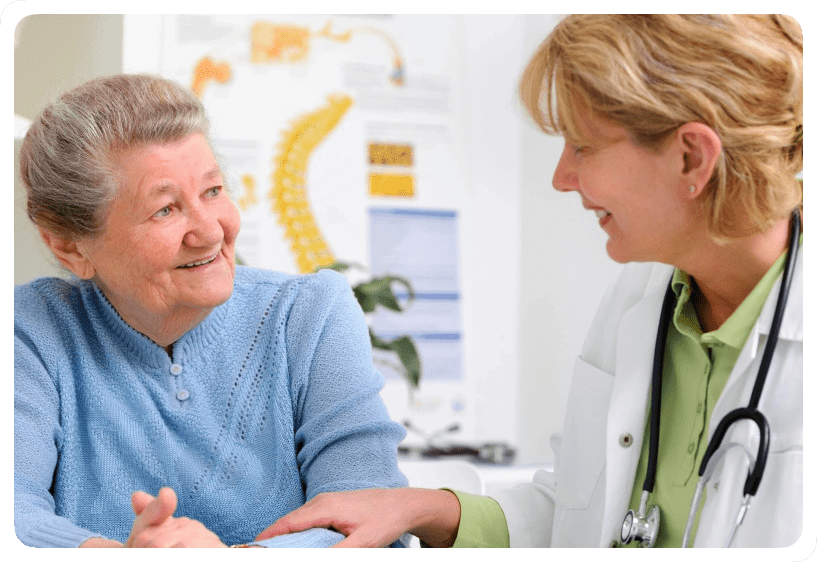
pixel 636 525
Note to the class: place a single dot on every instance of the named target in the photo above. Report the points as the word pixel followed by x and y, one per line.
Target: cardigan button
pixel 182 395
pixel 625 440
pixel 175 369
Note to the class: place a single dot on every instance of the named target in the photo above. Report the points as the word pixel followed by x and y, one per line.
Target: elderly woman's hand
pixel 155 526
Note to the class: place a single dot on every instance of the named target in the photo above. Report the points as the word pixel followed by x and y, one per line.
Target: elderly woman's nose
pixel 204 227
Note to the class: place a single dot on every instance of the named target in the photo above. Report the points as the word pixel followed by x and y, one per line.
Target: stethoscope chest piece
pixel 640 528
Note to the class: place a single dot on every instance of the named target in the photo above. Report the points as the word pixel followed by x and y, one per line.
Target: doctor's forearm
pixel 435 516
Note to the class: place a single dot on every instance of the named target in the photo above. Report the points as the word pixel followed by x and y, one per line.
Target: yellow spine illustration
pixel 289 189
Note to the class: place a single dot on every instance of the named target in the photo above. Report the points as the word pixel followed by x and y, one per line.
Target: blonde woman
pixel 683 134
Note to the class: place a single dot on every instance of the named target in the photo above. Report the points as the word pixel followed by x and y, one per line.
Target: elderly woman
pixel 683 134
pixel 159 368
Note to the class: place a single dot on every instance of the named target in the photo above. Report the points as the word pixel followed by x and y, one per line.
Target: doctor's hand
pixel 155 526
pixel 377 517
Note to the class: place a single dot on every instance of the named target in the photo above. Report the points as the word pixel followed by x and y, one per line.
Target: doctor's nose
pixel 564 178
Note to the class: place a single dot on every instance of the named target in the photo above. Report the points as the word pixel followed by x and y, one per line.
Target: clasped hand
pixel 155 526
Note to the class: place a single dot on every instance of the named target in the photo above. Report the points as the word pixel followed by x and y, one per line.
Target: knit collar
pixel 192 342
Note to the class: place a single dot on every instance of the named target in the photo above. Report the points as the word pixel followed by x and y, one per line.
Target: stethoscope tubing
pixel 655 407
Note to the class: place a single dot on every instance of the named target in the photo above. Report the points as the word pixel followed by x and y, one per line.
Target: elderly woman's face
pixel 168 245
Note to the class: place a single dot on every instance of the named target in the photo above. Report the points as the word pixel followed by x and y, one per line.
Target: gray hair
pixel 69 157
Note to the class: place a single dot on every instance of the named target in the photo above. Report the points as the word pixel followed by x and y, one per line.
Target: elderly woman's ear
pixel 69 253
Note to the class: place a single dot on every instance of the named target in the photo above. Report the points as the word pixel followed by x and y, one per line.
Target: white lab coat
pixel 582 503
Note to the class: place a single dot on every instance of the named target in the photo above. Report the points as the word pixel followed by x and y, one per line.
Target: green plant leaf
pixel 379 292
pixel 367 303
pixel 407 353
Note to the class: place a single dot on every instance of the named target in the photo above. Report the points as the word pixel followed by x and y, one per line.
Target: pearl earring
pixel 692 189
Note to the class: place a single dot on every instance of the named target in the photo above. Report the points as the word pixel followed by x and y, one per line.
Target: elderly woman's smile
pixel 198 263
pixel 166 257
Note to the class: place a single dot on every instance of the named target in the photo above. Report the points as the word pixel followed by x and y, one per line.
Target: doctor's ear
pixel 701 148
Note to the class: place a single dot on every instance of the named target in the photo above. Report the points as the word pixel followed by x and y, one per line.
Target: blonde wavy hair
pixel 742 75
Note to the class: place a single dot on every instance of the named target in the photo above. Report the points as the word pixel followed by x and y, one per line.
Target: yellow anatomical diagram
pixel 289 189
pixel 277 43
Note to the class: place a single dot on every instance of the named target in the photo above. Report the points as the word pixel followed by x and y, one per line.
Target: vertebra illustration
pixel 289 189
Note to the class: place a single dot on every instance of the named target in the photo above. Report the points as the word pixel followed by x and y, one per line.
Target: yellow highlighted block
pixel 391 185
pixel 391 154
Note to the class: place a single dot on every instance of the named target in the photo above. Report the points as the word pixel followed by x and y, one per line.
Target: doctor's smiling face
pixel 167 251
pixel 640 196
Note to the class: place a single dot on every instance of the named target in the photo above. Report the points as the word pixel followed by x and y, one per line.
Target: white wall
pixel 557 264
pixel 563 273
pixel 53 54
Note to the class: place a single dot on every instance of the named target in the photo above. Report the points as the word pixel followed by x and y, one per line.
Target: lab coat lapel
pixel 629 402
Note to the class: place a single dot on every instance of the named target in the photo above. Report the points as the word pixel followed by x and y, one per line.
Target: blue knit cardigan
pixel 268 402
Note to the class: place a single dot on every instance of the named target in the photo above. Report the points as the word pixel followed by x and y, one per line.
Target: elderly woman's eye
pixel 165 211
pixel 213 191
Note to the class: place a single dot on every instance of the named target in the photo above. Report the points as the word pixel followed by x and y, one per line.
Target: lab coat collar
pixel 792 326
